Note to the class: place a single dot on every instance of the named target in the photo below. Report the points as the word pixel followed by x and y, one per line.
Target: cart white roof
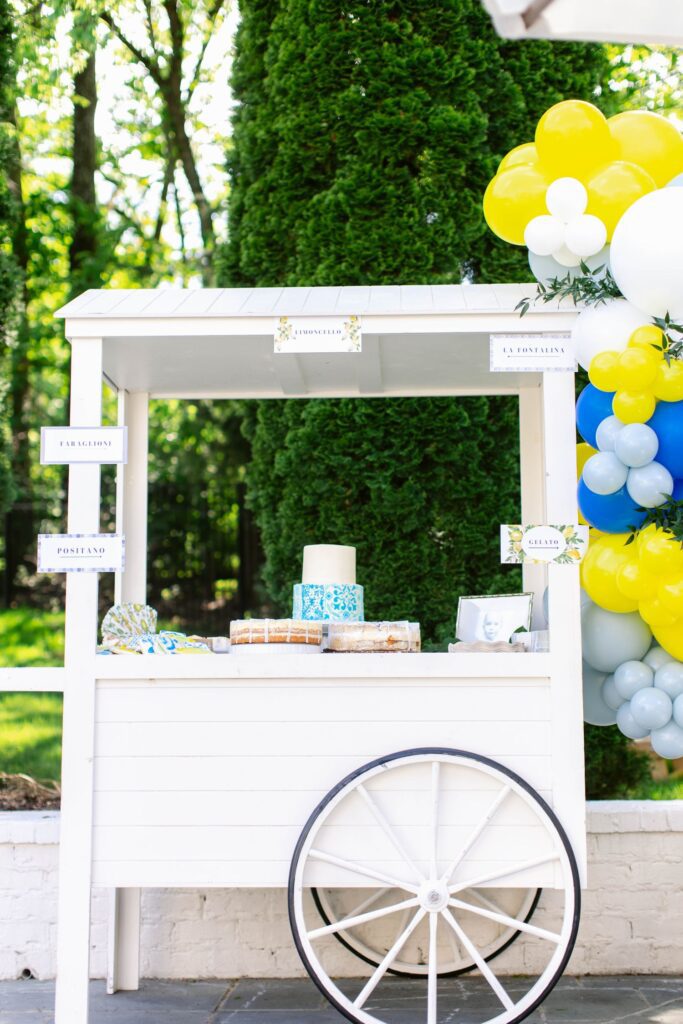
pixel 218 342
pixel 658 22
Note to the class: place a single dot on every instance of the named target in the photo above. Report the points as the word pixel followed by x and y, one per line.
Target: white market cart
pixel 411 794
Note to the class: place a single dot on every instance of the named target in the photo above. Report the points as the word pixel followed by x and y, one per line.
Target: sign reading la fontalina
pixel 81 552
pixel 519 353
pixel 298 334
pixel 565 544
pixel 60 446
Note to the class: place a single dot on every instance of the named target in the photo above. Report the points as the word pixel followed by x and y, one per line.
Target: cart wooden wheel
pixel 371 941
pixel 431 823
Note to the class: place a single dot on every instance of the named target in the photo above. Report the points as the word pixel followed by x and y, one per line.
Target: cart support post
pixel 123 939
pixel 564 606
pixel 532 479
pixel 75 847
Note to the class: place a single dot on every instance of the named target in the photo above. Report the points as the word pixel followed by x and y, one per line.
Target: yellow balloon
pixel 512 199
pixel 636 369
pixel 647 336
pixel 615 187
pixel 659 552
pixel 573 139
pixel 671 638
pixel 604 558
pixel 602 372
pixel 670 594
pixel 520 156
pixel 634 582
pixel 583 454
pixel 633 406
pixel 654 613
pixel 649 140
pixel 668 384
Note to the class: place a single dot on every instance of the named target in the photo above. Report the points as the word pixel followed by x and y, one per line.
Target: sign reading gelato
pixel 531 353
pixel 60 446
pixel 563 545
pixel 318 334
pixel 81 552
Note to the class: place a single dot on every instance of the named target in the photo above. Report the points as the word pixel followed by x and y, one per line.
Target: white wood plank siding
pixel 207 780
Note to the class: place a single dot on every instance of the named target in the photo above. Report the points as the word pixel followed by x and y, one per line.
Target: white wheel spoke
pixel 435 818
pixel 365 904
pixel 509 922
pixel 372 915
pixel 402 924
pixel 433 969
pixel 361 869
pixel 479 960
pixel 388 831
pixel 474 835
pixel 386 963
pixel 495 875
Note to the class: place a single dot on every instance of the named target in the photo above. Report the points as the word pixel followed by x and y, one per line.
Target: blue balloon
pixel 592 408
pixel 678 490
pixel 610 513
pixel 667 422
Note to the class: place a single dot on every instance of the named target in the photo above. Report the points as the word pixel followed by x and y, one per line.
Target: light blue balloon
pixel 668 741
pixel 628 725
pixel 609 638
pixel 678 711
pixel 651 708
pixel 604 473
pixel 676 182
pixel 649 486
pixel 632 676
pixel 636 445
pixel 609 694
pixel 607 433
pixel 595 711
pixel 656 657
pixel 545 268
pixel 669 678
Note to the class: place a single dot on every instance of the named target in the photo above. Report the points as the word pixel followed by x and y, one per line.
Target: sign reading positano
pixel 81 552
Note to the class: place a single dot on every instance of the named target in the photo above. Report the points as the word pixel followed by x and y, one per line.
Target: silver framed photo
pixel 492 617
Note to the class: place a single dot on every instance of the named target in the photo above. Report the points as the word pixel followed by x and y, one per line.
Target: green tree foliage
pixel 9 275
pixel 363 143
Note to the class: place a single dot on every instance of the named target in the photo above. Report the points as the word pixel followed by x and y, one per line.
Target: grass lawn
pixel 31 723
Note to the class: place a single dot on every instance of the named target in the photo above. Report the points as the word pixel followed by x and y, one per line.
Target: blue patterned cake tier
pixel 329 602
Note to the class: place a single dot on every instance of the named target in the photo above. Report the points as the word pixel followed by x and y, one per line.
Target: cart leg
pixel 123 959
pixel 75 847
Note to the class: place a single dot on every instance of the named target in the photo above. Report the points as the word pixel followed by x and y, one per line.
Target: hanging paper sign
pixel 318 334
pixel 563 545
pixel 531 353
pixel 81 552
pixel 60 446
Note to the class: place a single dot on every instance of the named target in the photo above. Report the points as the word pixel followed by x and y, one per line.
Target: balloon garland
pixel 597 202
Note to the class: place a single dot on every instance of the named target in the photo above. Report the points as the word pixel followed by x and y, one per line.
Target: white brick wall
pixel 631 920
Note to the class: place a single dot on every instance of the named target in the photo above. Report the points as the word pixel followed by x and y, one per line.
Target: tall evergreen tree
pixel 363 141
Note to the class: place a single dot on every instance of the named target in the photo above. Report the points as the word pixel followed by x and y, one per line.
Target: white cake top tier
pixel 329 563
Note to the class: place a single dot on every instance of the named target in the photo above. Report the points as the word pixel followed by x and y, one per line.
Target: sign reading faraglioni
pixel 564 544
pixel 81 552
pixel 531 353
pixel 318 334
pixel 61 446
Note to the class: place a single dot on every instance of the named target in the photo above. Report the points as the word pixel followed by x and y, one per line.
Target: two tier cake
pixel 328 591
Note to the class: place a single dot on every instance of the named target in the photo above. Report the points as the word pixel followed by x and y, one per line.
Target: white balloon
pixel 678 710
pixel 607 432
pixel 647 253
pixel 609 638
pixel 609 694
pixel 656 657
pixel 567 258
pixel 628 725
pixel 636 445
pixel 595 711
pixel 669 678
pixel 566 198
pixel 650 485
pixel 631 677
pixel 607 327
pixel 585 236
pixel 668 742
pixel 651 708
pixel 604 473
pixel 543 235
